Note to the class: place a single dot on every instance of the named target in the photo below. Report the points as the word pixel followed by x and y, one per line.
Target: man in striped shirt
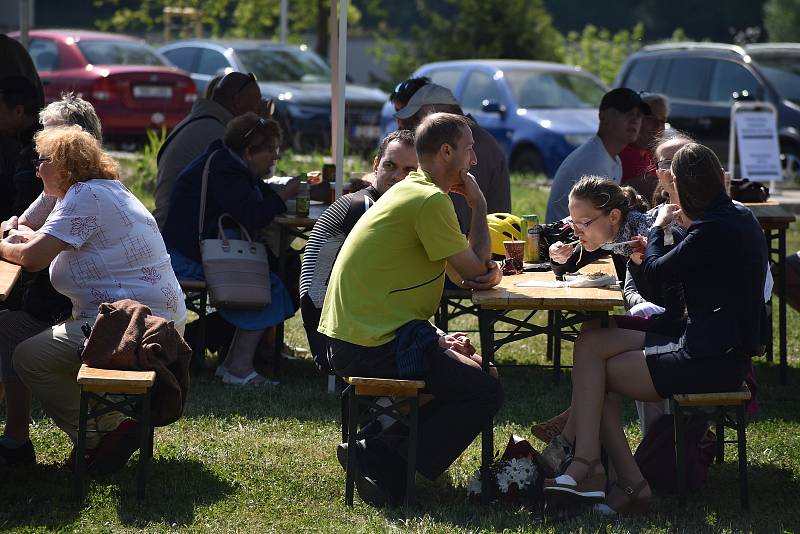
pixel 396 158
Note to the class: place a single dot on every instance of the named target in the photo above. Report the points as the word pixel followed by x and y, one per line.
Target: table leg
pixel 550 322
pixel 283 245
pixel 782 303
pixel 486 327
pixel 557 347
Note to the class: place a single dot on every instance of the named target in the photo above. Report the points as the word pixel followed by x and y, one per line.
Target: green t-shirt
pixel 391 267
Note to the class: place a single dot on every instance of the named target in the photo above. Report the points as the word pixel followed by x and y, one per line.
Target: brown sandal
pixel 551 428
pixel 632 504
pixel 591 487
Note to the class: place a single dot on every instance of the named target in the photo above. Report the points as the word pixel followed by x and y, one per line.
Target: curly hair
pixel 72 109
pixel 76 155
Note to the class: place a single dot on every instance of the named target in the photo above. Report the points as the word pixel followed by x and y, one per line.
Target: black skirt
pixel 673 370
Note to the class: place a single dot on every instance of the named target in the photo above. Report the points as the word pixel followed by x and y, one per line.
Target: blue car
pixel 538 111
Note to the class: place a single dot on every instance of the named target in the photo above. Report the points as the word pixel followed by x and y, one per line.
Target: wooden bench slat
pixel 120 381
pixel 710 399
pixel 385 382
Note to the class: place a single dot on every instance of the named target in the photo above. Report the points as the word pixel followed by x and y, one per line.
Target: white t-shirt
pixel 117 252
pixel 591 158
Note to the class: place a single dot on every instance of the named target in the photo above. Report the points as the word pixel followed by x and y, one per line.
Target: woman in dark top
pixel 725 309
pixel 247 152
pixel 603 216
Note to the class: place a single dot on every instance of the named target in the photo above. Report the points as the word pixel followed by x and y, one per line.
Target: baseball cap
pixel 624 99
pixel 427 94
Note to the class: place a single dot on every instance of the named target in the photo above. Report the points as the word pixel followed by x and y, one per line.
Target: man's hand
pixel 458 342
pixel 485 281
pixel 470 190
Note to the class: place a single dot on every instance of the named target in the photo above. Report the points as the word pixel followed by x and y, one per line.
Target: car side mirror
pixel 494 107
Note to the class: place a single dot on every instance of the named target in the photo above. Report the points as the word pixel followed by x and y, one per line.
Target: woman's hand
pixel 16 238
pixel 561 252
pixel 667 214
pixel 290 190
pixel 639 246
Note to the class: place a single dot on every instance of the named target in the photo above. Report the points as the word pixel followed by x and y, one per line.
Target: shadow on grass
pixel 175 489
pixel 43 496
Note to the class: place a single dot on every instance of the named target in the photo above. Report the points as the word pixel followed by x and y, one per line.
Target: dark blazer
pixel 232 189
pixel 722 265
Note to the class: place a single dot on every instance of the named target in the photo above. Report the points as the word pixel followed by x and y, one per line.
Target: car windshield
pixel 284 65
pixel 118 53
pixel 784 72
pixel 548 90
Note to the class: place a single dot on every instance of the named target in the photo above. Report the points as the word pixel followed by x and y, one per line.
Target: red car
pixel 132 87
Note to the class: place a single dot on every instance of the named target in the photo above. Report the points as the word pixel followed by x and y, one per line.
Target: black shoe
pixel 23 455
pixel 367 485
pixel 115 449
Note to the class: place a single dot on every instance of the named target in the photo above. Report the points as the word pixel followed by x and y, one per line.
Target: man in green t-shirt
pixel 387 282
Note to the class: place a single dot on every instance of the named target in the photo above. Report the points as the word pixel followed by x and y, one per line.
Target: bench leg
pixel 680 453
pixel 742 444
pixel 352 420
pixel 80 447
pixel 720 445
pixel 145 445
pixel 345 412
pixel 411 473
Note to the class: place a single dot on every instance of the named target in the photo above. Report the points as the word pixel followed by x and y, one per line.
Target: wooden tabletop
pixel 297 221
pixel 771 213
pixel 9 273
pixel 507 296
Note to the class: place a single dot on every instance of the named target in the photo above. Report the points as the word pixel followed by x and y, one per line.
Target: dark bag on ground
pixel 655 455
pixel 744 190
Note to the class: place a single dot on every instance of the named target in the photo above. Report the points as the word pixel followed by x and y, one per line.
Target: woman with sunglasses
pixel 725 311
pixel 247 152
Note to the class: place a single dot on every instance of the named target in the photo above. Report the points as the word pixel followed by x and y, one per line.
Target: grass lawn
pixel 263 460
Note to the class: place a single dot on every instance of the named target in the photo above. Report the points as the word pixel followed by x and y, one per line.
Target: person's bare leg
pixel 242 352
pixel 592 349
pixel 18 411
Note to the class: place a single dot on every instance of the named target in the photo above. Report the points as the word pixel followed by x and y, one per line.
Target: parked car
pixel 296 78
pixel 702 80
pixel 131 86
pixel 538 111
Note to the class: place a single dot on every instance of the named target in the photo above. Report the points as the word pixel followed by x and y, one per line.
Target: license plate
pixel 366 132
pixel 152 91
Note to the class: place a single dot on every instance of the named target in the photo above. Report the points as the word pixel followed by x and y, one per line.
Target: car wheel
pixel 528 161
pixel 790 163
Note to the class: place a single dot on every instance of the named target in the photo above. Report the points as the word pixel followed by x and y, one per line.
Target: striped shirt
pixel 336 221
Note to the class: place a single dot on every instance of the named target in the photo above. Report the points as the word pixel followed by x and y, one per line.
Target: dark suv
pixel 702 80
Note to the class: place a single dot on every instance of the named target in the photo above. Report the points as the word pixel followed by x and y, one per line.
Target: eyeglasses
pixel 38 161
pixel 582 226
pixel 664 164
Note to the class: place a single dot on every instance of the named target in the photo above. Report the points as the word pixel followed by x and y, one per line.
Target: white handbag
pixel 236 270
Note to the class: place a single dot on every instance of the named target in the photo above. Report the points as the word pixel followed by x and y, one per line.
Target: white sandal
pixel 248 380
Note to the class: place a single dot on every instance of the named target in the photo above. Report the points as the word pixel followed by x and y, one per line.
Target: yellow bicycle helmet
pixel 503 227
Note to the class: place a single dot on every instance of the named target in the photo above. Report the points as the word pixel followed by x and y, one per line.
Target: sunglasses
pixel 260 124
pixel 38 161
pixel 664 164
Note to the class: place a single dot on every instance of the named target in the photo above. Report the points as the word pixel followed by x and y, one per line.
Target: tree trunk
pixel 323 8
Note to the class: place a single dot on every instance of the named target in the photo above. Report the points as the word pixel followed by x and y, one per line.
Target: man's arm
pixel 473 261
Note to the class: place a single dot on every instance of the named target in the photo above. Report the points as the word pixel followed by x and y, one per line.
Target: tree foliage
pixel 461 29
pixel 782 20
pixel 601 52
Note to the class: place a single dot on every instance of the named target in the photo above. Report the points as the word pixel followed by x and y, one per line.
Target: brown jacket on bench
pixel 127 337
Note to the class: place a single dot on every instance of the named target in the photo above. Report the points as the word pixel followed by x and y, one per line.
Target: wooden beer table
pixel 9 274
pixel 493 307
pixel 775 220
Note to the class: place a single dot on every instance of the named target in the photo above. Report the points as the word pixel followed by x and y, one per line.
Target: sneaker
pixel 551 428
pixel 555 456
pixel 367 485
pixel 115 448
pixel 18 456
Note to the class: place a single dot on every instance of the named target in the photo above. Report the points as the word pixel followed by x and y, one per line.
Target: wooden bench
pixel 360 407
pixel 197 301
pixel 720 406
pixel 134 388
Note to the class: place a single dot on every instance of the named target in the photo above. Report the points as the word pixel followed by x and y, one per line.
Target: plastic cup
pixel 515 252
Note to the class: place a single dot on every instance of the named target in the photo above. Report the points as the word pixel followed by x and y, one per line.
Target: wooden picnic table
pixel 493 307
pixel 775 220
pixel 9 274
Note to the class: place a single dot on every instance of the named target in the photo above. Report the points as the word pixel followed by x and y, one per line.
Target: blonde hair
pixel 76 155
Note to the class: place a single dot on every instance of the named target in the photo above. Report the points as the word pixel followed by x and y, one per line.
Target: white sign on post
pixel 759 153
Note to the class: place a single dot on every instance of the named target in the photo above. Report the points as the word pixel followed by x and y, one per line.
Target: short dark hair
pixel 698 178
pixel 18 90
pixel 403 91
pixel 404 137
pixel 250 130
pixel 439 129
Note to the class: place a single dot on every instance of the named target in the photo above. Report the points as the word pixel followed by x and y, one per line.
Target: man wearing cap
pixel 234 95
pixel 415 99
pixel 621 112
